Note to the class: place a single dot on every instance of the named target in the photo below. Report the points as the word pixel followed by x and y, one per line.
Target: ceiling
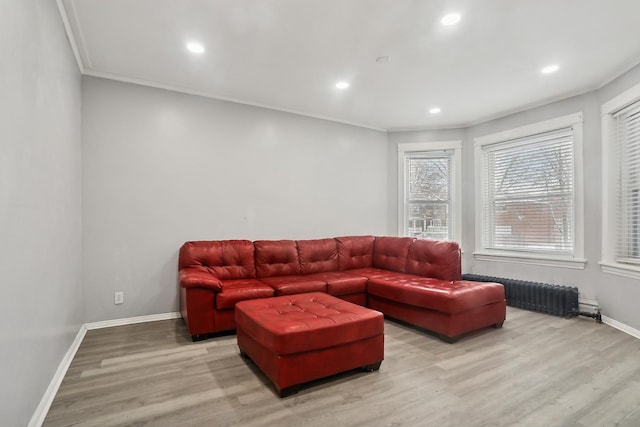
pixel 289 54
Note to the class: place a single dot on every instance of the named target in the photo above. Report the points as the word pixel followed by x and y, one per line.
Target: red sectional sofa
pixel 413 280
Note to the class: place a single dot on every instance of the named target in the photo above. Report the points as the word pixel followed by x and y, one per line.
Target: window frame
pixel 455 193
pixel 482 252
pixel 610 168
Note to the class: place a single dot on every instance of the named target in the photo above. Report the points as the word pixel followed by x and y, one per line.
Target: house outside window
pixel 429 189
pixel 529 194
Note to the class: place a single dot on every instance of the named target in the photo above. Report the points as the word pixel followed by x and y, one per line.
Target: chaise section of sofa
pixel 413 280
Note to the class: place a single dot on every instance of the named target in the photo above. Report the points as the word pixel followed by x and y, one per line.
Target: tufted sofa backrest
pixel 276 258
pixel 243 259
pixel 433 258
pixel 355 252
pixel 227 259
pixel 390 253
pixel 318 256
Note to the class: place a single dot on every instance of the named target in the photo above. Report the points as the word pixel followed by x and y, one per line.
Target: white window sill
pixel 529 258
pixel 624 270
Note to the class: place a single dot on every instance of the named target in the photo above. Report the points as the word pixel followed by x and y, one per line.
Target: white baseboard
pixel 588 304
pixel 588 301
pixel 50 393
pixel 47 399
pixel 621 327
pixel 132 320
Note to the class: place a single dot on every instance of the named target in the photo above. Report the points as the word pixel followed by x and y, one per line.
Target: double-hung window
pixel 529 191
pixel 429 190
pixel 621 178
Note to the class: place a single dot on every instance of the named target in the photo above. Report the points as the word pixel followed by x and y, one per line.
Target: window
pixel 428 178
pixel 621 179
pixel 529 191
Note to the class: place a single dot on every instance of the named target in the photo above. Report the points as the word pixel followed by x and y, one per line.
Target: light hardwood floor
pixel 537 370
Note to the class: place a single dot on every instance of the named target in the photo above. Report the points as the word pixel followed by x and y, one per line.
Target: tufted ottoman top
pixel 304 322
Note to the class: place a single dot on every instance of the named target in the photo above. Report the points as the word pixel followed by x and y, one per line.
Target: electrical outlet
pixel 118 298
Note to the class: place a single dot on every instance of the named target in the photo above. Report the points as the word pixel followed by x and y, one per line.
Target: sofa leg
pixel 498 325
pixel 448 339
pixel 288 391
pixel 199 337
pixel 244 355
pixel 372 367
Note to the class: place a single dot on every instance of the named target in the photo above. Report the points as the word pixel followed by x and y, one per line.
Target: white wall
pixel 616 295
pixel 40 220
pixel 161 168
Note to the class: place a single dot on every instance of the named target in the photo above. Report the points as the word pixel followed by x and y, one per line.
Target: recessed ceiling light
pixel 549 69
pixel 450 19
pixel 195 47
pixel 435 110
pixel 342 85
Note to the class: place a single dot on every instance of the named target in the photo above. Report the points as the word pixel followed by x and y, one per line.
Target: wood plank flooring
pixel 537 370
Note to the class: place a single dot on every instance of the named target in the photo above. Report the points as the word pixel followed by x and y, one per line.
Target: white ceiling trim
pixel 80 40
pixel 70 36
pixel 502 114
pixel 624 70
pixel 85 69
pixel 205 94
pixel 520 109
pixel 83 61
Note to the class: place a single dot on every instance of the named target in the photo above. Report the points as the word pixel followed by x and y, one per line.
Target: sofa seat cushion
pixel 342 283
pixel 299 323
pixel 239 290
pixel 287 285
pixel 435 294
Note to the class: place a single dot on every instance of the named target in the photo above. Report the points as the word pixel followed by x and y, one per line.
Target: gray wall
pixel 616 295
pixel 40 219
pixel 161 168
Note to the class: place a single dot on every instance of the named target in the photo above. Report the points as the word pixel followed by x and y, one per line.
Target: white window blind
pixel 627 152
pixel 529 193
pixel 428 188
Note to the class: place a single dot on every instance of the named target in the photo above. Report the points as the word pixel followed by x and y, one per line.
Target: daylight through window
pixel 428 196
pixel 429 186
pixel 627 153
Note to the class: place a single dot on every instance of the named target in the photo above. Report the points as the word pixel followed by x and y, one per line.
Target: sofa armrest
pixel 196 278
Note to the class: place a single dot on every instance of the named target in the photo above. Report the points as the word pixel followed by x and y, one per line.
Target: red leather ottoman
pixel 298 338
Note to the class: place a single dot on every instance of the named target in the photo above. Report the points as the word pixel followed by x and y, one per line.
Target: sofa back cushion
pixel 227 259
pixel 276 258
pixel 355 252
pixel 318 256
pixel 390 253
pixel 433 258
